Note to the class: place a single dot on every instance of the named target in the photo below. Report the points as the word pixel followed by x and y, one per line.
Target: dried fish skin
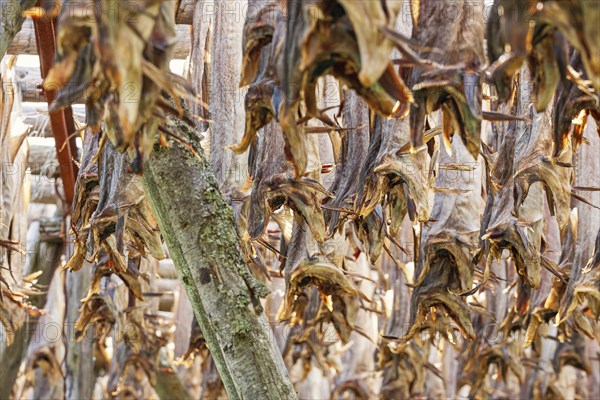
pixel 521 235
pixel 370 230
pixel 319 289
pixel 119 65
pixel 259 31
pixel 509 41
pixel 445 268
pixel 570 102
pixel 263 40
pixel 406 171
pixel 367 18
pixel 388 96
pixel 547 62
pixel 259 112
pixel 112 218
pixel 274 186
pixel 583 288
pixel 516 34
pixel 307 60
pixel 86 199
pixel 577 20
pixel 538 32
pixel 337 293
pixel 404 365
pixel 482 356
pixel 284 57
pixel 406 376
pixel 354 148
pixel 450 80
pixel 522 178
pixel 269 95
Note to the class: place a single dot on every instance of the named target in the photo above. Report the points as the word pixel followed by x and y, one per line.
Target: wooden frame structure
pixel 63 125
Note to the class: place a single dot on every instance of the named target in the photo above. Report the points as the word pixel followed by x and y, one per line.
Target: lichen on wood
pixel 198 227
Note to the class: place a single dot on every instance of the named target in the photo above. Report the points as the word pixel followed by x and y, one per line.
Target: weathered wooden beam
pixel 167 289
pixel 42 157
pixel 166 269
pixel 28 81
pixel 79 377
pixel 47 347
pixel 38 211
pixel 36 116
pixel 24 41
pixel 46 191
pixel 183 317
pixel 184 42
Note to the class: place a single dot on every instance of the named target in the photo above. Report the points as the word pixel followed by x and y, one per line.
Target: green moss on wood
pixel 198 227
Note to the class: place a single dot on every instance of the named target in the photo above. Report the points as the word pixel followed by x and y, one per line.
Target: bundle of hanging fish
pixel 111 213
pixel 559 42
pixel 287 49
pixel 444 69
pixel 115 60
pixel 115 229
pixel 115 57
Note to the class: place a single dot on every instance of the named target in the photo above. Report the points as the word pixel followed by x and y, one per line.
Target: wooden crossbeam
pixel 24 41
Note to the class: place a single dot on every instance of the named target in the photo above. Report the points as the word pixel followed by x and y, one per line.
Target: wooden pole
pixel 198 227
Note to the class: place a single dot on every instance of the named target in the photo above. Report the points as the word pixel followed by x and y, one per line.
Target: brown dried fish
pixel 444 268
pixel 118 65
pixel 514 215
pixel 457 41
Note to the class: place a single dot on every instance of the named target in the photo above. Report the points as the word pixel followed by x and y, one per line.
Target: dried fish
pixel 444 267
pixel 513 217
pixel 119 66
pixel 456 91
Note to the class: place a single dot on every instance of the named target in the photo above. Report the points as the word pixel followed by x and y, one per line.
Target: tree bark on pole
pixel 198 227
